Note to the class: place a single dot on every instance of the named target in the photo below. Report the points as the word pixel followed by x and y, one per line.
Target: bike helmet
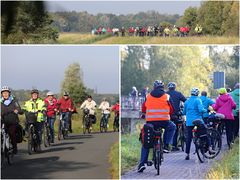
pixel 34 91
pixel 65 93
pixel 171 85
pixel 50 93
pixel 158 84
pixel 229 90
pixel 5 88
pixel 195 91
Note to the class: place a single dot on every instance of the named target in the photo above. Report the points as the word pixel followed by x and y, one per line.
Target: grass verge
pixel 228 166
pixel 114 160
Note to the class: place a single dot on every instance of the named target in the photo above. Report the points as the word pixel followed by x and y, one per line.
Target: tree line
pixel 187 66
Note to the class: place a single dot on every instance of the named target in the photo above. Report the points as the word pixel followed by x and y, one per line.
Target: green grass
pixel 80 38
pixel 228 166
pixel 114 160
pixel 130 151
pixel 77 122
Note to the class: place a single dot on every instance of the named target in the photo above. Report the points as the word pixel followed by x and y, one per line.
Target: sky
pixel 43 67
pixel 122 7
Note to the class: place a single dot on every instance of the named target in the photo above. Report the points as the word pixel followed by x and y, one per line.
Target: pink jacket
pixel 224 105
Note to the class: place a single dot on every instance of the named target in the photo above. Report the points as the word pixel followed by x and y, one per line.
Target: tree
pixel 189 18
pixel 73 83
pixel 26 21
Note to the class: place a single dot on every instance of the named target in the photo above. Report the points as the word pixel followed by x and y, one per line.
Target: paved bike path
pixel 176 167
pixel 79 156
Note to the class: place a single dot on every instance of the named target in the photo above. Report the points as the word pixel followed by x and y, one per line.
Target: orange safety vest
pixel 157 109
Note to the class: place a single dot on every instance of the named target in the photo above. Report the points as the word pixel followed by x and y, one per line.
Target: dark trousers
pixel 39 127
pixel 175 135
pixel 11 129
pixel 229 124
pixel 236 126
pixel 189 138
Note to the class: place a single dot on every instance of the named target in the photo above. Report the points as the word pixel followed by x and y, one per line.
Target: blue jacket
pixel 206 103
pixel 193 109
pixel 176 98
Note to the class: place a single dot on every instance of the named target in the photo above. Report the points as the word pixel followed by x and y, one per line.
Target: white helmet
pixel 5 88
pixel 50 93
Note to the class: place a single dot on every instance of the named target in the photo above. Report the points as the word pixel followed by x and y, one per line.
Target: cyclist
pixel 52 108
pixel 176 97
pixel 158 109
pixel 235 95
pixel 36 105
pixel 116 108
pixel 225 105
pixel 193 109
pixel 10 109
pixel 207 102
pixel 198 29
pixel 166 31
pixel 91 105
pixel 104 106
pixel 66 107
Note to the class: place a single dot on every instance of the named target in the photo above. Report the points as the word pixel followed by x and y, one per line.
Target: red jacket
pixel 51 106
pixel 65 105
pixel 115 108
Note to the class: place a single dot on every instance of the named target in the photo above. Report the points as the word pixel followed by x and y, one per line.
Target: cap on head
pixel 65 93
pixel 5 88
pixel 195 91
pixel 89 96
pixel 222 91
pixel 158 84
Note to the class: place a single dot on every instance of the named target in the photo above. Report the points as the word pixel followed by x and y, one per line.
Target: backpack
pixel 147 136
pixel 19 133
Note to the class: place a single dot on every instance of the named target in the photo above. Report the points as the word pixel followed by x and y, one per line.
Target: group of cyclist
pixel 163 110
pixel 45 110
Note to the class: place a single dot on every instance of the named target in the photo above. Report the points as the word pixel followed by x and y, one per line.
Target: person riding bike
pixel 176 97
pixel 104 106
pixel 91 105
pixel 198 29
pixel 193 109
pixel 235 95
pixel 158 110
pixel 167 31
pixel 52 108
pixel 207 102
pixel 116 108
pixel 10 109
pixel 66 107
pixel 36 105
pixel 225 105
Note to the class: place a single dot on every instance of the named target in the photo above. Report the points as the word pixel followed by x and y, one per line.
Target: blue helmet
pixel 195 91
pixel 171 85
pixel 158 84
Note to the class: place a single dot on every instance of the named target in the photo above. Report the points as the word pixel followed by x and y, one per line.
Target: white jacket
pixel 104 106
pixel 89 105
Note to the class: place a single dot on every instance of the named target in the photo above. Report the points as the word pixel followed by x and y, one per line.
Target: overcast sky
pixel 24 67
pixel 123 7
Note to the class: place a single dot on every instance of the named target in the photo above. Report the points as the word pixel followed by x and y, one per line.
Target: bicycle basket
pixel 31 117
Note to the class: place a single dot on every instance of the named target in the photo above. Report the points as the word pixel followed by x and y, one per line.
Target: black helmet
pixel 158 84
pixel 65 93
pixel 89 96
pixel 34 91
pixel 171 85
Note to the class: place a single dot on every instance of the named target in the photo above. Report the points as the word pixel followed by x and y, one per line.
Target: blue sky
pixel 24 67
pixel 122 7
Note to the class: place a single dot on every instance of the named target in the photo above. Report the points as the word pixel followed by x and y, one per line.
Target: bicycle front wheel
pixel 84 125
pixel 215 143
pixel 60 131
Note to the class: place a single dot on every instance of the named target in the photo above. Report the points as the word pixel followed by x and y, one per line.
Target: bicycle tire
pixel 101 125
pixel 44 136
pixel 158 158
pixel 30 140
pixel 199 151
pixel 84 124
pixel 10 156
pixel 60 130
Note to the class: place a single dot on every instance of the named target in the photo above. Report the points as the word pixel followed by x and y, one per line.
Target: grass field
pixel 114 160
pixel 228 166
pixel 78 38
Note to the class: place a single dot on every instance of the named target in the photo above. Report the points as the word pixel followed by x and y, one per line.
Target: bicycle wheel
pixel 60 131
pixel 30 140
pixel 105 126
pixel 101 125
pixel 84 125
pixel 200 150
pixel 10 153
pixel 215 143
pixel 114 126
pixel 181 138
pixel 158 159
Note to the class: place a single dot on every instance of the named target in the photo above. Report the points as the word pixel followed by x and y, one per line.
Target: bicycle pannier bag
pixel 147 136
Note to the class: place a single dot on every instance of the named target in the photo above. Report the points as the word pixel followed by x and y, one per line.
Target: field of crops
pixel 78 38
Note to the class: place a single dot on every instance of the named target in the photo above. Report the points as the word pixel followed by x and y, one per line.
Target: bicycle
pixel 116 123
pixel 62 131
pixel 103 123
pixel 181 139
pixel 210 137
pixel 46 134
pixel 6 147
pixel 86 124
